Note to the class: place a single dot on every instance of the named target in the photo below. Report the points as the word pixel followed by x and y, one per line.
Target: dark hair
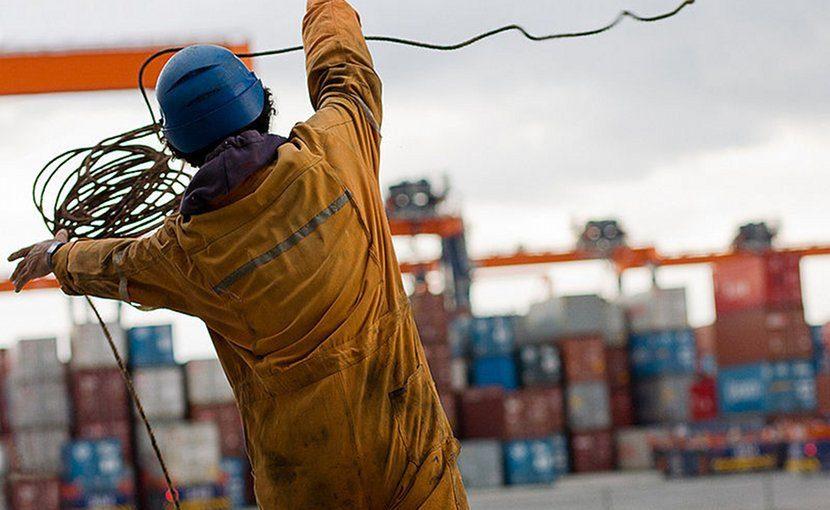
pixel 261 124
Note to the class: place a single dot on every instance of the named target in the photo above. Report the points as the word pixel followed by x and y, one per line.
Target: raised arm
pixel 338 62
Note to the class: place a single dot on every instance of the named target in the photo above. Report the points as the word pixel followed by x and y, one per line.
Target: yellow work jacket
pixel 300 289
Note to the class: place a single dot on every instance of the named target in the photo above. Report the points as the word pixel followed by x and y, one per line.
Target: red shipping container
pixel 754 336
pixel 439 359
pixel 592 452
pixel 616 361
pixel 533 413
pixel 482 413
pixel 34 493
pixel 450 404
pixel 704 403
pixel 431 317
pixel 823 393
pixel 118 429
pixel 583 359
pixel 228 420
pixel 622 407
pixel 98 395
pixel 753 281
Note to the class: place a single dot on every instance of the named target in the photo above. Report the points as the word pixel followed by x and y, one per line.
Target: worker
pixel 282 247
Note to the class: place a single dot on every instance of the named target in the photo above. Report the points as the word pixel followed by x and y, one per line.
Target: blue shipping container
pixel 662 353
pixel 151 346
pixel 234 472
pixel 495 371
pixel 535 461
pixel 767 388
pixel 94 465
pixel 492 336
pixel 821 363
pixel 99 500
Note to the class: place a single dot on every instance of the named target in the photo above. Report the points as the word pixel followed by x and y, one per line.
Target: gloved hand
pixel 37 260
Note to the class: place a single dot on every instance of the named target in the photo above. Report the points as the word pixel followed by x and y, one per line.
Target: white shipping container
pixel 657 310
pixel 191 451
pixel 36 359
pixel 39 451
pixel 565 316
pixel 161 390
pixel 207 383
pixel 90 348
pixel 38 403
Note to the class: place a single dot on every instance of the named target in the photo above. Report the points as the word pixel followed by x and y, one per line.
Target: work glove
pixel 37 260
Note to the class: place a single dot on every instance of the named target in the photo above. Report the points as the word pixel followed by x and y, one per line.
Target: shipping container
pixel 161 391
pixel 439 359
pixel 495 371
pixel 481 464
pixel 747 282
pixel 95 467
pixel 229 423
pixel 622 407
pixel 459 335
pixel 706 362
pixel 533 413
pixel 539 365
pixel 570 316
pixel 758 335
pixel 592 451
pixel 664 399
pixel 235 474
pixel 207 382
pixel 588 405
pixel 90 387
pixel 483 413
pixel 38 451
pixel 634 447
pixel 492 336
pixel 821 355
pixel 5 371
pixel 823 393
pixel 120 430
pixel 36 359
pixel 617 367
pixel 535 461
pixel 38 403
pixel 151 346
pixel 657 310
pixel 34 493
pixel 767 388
pixel 431 317
pixel 663 353
pixel 583 359
pixel 90 348
pixel 191 451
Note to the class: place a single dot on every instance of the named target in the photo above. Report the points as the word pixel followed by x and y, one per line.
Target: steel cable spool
pixel 126 185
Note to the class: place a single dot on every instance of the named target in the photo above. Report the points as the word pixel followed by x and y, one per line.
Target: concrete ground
pixel 648 491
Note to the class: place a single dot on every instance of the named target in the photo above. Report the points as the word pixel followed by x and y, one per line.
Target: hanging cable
pixel 125 187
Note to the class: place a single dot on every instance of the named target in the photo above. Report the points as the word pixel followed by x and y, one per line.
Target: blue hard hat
pixel 206 94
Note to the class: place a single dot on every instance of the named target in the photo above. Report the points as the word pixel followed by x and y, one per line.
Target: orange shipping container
pixel 754 336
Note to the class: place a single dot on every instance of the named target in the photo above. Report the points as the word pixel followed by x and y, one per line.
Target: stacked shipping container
pixel 764 348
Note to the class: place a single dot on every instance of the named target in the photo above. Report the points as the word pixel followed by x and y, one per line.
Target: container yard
pixel 350 254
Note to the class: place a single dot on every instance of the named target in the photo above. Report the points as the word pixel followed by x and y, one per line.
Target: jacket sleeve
pixel 138 271
pixel 339 66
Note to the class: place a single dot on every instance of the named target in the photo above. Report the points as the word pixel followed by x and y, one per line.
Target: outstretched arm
pixel 141 271
pixel 338 62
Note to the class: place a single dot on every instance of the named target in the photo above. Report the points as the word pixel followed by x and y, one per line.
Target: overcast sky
pixel 681 129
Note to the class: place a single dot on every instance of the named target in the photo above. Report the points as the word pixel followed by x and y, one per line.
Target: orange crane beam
pixel 83 70
pixel 444 226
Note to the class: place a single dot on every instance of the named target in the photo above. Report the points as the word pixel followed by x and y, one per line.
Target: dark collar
pixel 228 166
